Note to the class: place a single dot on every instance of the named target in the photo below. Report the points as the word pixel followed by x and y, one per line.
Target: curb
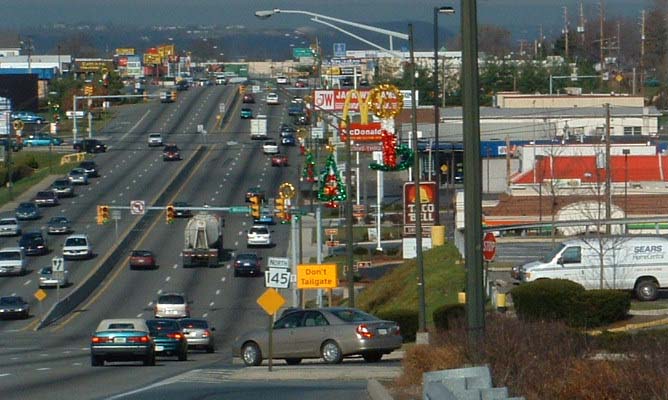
pixel 629 327
pixel 377 391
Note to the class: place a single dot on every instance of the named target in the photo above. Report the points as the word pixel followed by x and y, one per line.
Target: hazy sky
pixel 512 14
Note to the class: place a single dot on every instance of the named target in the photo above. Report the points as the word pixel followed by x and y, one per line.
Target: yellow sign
pixel 363 104
pixel 271 301
pixel 166 50
pixel 317 276
pixel 18 124
pixel 40 295
pixel 92 66
pixel 150 58
pixel 125 51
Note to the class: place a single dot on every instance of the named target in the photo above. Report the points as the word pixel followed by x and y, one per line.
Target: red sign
pixel 122 61
pixel 489 247
pixel 427 204
pixel 370 132
pixel 334 100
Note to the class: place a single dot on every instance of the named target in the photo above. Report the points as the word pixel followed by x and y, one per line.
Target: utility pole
pixel 566 32
pixel 349 219
pixel 508 161
pixel 601 37
pixel 608 171
pixel 581 26
pixel 642 53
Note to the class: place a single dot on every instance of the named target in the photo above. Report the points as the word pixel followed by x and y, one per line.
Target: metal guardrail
pixel 79 294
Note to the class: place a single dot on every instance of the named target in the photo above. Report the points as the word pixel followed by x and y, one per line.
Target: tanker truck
pixel 203 241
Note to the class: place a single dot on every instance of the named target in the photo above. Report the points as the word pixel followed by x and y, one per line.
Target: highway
pixel 36 360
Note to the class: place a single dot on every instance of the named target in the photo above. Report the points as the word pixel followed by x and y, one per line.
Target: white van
pixel 12 261
pixel 629 263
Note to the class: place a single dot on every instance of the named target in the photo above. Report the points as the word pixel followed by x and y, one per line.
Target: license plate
pixel 119 340
pixel 382 331
pixel 159 348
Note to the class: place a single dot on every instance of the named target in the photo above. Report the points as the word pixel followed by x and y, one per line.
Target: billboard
pixel 125 51
pixel 371 132
pixel 427 206
pixel 150 59
pixel 93 65
pixel 335 99
pixel 166 50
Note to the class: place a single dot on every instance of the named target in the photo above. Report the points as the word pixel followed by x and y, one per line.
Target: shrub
pixel 21 171
pixel 446 315
pixel 422 358
pixel 31 161
pixel 600 307
pixel 407 320
pixel 546 299
pixel 361 251
pixel 392 251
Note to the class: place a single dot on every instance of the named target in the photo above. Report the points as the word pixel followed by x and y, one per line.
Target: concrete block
pixel 475 377
pixel 377 391
pixel 437 391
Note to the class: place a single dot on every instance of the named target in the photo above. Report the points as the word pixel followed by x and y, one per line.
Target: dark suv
pixel 171 152
pixel 33 244
pixel 89 146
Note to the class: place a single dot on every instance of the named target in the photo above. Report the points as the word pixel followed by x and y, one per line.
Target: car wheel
pixel 293 361
pixel 372 357
pixel 236 274
pixel 251 354
pixel 149 361
pixel 183 356
pixel 647 290
pixel 96 361
pixel 331 352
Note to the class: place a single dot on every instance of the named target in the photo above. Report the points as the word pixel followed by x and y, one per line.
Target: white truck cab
pixel 627 263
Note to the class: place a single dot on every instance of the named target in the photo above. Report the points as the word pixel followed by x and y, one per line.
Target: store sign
pixel 370 132
pixel 125 51
pixel 92 66
pixel 426 205
pixel 335 99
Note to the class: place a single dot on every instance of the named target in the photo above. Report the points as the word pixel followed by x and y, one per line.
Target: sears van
pixel 638 263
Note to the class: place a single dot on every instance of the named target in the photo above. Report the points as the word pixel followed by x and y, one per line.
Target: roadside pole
pixel 293 239
pixel 318 235
pixel 271 341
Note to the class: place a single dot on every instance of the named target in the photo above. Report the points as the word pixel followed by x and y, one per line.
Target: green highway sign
pixel 239 210
pixel 299 52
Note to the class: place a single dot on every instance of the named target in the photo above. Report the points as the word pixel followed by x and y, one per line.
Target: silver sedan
pixel 199 334
pixel 327 333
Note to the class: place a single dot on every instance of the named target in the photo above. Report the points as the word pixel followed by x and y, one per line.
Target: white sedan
pixel 270 147
pixel 272 98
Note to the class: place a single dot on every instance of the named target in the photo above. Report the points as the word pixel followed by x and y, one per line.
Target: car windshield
pixel 350 315
pixel 550 256
pixel 75 242
pixel 45 194
pixel 246 257
pixel 58 220
pixel 259 231
pixel 141 253
pixel 77 172
pixel 10 301
pixel 46 271
pixel 10 255
pixel 7 222
pixel 26 206
pixel 61 183
pixel 171 148
pixel 171 299
pixel 154 135
pixel 160 325
pixel 194 324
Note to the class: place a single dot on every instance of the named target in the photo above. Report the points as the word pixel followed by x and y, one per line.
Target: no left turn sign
pixel 137 207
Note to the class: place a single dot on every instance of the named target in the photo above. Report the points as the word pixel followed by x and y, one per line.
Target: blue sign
pixel 339 49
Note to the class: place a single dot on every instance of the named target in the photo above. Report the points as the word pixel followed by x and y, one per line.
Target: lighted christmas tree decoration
pixel 332 190
pixel 308 172
pixel 392 153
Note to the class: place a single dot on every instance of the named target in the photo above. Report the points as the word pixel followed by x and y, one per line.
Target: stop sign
pixel 489 247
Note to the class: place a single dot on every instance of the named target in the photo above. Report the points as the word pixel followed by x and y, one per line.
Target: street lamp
pixel 437 118
pixel 626 153
pixel 325 20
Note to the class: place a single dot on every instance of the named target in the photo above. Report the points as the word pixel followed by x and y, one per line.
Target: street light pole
pixel 626 184
pixel 437 117
pixel 349 219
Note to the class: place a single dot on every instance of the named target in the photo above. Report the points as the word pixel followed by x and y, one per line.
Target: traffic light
pixel 282 213
pixel 255 206
pixel 102 214
pixel 170 214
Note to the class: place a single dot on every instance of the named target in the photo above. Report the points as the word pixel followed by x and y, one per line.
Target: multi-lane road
pixel 54 362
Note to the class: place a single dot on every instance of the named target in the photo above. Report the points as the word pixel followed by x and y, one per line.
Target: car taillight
pixel 175 335
pixel 398 331
pixel 206 333
pixel 364 331
pixel 99 339
pixel 139 339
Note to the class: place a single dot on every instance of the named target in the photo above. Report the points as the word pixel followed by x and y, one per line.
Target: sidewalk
pixel 28 195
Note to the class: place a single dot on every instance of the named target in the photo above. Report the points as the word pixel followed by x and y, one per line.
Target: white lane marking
pixel 159 291
pixel 43 369
pixel 223 279
pixel 217 192
pixel 84 348
pixel 77 364
pixel 44 355
pixel 228 266
pixel 218 292
pixel 67 351
pixel 140 315
pixel 150 303
pixel 241 233
pixel 211 304
pixel 135 125
pixel 168 278
pixel 175 266
pixel 14 358
pixel 205 315
pixel 27 282
pixel 1 375
pixel 236 244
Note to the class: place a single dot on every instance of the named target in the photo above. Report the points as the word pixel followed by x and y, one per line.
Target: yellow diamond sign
pixel 271 301
pixel 40 295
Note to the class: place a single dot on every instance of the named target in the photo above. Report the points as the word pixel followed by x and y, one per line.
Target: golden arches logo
pixel 363 105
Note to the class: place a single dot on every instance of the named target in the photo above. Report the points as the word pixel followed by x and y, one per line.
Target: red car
pixel 142 259
pixel 279 161
pixel 301 84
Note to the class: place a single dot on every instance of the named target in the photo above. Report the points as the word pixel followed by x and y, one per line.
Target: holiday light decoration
pixel 308 172
pixel 395 157
pixel 332 190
